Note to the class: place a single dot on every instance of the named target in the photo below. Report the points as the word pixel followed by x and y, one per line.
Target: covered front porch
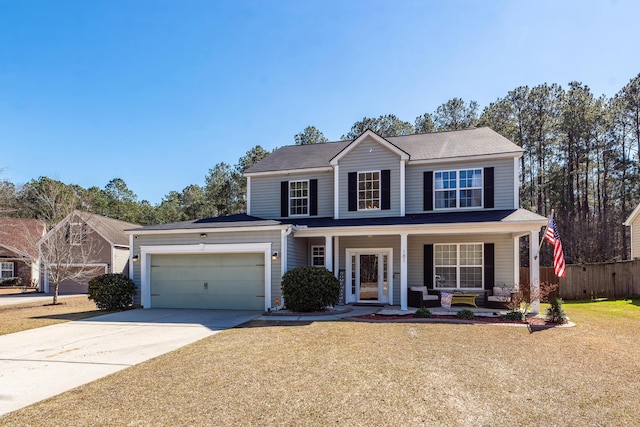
pixel 378 263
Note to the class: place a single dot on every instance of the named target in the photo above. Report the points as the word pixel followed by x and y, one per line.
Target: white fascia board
pixel 377 138
pixel 633 216
pixel 15 251
pixel 465 158
pixel 289 171
pixel 208 230
pixel 456 228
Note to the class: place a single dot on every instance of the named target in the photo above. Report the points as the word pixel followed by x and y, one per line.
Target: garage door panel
pixel 217 281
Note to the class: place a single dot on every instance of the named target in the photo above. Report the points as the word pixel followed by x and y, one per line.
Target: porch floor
pixel 394 310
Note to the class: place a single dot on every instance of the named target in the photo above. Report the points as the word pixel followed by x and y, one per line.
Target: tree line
pixel 580 159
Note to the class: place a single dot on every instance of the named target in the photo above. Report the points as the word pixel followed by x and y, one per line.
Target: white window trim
pixel 379 172
pixel 3 269
pixel 458 189
pixel 324 255
pixel 458 265
pixel 299 198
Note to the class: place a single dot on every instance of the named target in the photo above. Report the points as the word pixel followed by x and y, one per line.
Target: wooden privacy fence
pixel 584 281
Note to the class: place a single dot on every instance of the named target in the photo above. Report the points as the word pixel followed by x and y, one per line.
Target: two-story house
pixel 384 214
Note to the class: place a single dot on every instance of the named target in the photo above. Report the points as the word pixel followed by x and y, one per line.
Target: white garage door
pixel 210 281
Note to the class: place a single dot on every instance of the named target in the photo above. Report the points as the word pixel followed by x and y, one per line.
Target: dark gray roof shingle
pixel 429 146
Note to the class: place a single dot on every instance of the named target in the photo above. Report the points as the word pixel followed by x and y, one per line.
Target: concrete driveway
pixel 40 363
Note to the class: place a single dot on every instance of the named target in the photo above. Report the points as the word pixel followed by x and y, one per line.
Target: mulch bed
pixel 533 321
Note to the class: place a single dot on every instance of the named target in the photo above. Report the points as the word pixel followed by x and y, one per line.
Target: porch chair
pixel 499 296
pixel 421 296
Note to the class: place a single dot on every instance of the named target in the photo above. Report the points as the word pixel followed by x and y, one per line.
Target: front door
pixel 369 271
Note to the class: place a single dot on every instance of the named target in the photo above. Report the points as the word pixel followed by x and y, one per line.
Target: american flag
pixel 552 236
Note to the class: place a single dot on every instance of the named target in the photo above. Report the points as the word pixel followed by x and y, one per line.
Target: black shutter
pixel 353 191
pixel 284 199
pixel 313 197
pixel 428 266
pixel 385 185
pixel 428 191
pixel 489 265
pixel 488 187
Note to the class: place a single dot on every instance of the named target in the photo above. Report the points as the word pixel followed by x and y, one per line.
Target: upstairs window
pixel 298 198
pixel 6 270
pixel 458 189
pixel 368 190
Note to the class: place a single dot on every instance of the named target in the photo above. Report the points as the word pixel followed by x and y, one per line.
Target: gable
pixel 369 142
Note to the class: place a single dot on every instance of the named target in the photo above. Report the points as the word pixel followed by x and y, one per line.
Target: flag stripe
pixel 552 236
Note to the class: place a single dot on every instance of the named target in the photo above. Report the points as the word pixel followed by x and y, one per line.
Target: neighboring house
pixel 634 222
pixel 19 256
pixel 384 214
pixel 91 245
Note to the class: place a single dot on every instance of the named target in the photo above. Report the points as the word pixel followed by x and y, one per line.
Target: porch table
pixel 464 299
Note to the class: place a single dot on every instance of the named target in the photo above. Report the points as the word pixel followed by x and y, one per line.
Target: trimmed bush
pixel 465 314
pixel 10 281
pixel 513 315
pixel 111 292
pixel 310 289
pixel 424 313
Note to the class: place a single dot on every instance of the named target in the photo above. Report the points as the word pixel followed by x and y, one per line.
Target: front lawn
pixel 20 317
pixel 358 373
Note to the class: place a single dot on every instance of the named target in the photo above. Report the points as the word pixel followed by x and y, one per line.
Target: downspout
pixel 283 261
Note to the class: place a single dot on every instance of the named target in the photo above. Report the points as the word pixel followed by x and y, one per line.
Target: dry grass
pixel 16 318
pixel 354 373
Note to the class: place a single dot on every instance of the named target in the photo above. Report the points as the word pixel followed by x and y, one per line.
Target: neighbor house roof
pixel 21 235
pixel 112 230
pixel 421 147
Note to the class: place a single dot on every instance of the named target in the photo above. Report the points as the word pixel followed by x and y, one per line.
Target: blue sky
pixel 157 92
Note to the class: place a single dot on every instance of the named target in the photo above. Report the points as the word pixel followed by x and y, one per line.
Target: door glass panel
pixel 353 274
pixel 369 277
pixel 385 278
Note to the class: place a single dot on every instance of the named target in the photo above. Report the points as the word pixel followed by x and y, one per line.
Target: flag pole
pixel 543 234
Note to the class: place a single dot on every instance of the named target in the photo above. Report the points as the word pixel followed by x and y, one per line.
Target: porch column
pixel 336 256
pixel 328 253
pixel 534 271
pixel 403 272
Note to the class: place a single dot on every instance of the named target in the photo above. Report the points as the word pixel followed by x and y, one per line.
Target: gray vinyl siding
pixel 265 194
pixel 503 182
pixel 504 264
pixel 378 242
pixel 236 237
pixel 369 156
pixel 296 252
pixel 635 238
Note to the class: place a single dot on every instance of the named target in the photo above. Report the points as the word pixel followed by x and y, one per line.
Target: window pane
pixel 445 277
pixel 299 197
pixel 368 190
pixel 470 277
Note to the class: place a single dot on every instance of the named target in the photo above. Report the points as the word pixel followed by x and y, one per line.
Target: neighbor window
pixel 317 256
pixel 368 190
pixel 458 265
pixel 76 233
pixel 458 189
pixel 298 198
pixel 6 270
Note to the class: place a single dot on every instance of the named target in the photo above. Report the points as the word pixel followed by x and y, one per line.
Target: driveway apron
pixel 40 363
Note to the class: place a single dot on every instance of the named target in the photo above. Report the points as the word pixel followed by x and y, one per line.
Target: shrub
pixel 513 315
pixel 555 313
pixel 11 281
pixel 548 291
pixel 465 314
pixel 423 312
pixel 111 292
pixel 310 289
